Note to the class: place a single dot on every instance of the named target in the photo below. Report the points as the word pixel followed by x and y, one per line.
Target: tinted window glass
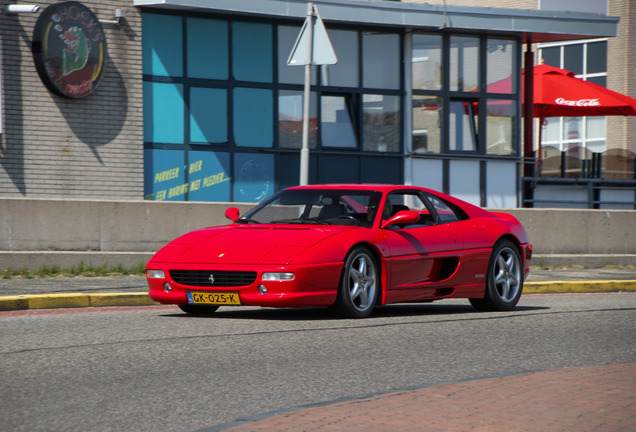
pixel 597 57
pixel 551 56
pixel 427 133
pixel 444 212
pixel 252 51
pixel 573 58
pixel 381 60
pixel 253 117
pixel 208 115
pixel 427 62
pixel 207 48
pixel 163 112
pixel 400 201
pixel 381 123
pixel 290 119
pixel 162 47
pixel 464 63
pixel 317 207
pixel 337 122
pixel 500 61
pixel 345 72
pixel 463 125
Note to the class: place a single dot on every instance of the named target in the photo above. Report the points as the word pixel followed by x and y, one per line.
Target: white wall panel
pixel 560 194
pixel 464 180
pixel 427 173
pixel 501 184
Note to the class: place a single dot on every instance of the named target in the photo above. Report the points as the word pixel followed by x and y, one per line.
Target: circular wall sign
pixel 69 49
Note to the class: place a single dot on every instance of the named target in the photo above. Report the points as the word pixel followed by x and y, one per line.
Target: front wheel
pixel 504 281
pixel 359 285
pixel 200 310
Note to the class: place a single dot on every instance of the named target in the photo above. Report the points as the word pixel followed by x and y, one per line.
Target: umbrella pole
pixel 539 151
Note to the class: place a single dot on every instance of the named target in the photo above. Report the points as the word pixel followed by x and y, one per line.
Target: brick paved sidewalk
pixel 599 398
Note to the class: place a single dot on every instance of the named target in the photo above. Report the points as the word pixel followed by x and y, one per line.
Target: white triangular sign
pixel 322 52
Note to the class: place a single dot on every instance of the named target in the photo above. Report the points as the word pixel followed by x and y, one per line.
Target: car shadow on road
pixel 324 314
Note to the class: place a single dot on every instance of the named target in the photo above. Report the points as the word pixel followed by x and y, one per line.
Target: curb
pixel 74 300
pixel 557 287
pixel 82 300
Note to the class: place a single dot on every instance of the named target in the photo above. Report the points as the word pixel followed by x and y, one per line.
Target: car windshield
pixel 316 207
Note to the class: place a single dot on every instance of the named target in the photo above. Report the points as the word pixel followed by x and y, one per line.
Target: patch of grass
pixel 82 270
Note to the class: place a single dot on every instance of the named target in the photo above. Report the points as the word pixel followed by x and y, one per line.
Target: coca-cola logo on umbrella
pixel 69 49
pixel 579 103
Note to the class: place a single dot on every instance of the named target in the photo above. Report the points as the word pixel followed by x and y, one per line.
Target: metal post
pixel 304 151
pixel 528 125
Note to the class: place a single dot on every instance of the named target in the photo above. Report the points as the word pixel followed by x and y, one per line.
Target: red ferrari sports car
pixel 349 247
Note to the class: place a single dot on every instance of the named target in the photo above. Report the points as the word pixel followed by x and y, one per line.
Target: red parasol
pixel 558 93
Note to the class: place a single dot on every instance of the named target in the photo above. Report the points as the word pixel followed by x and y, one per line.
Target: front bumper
pixel 313 285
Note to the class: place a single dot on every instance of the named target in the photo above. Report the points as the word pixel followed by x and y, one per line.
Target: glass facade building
pixel 223 110
pixel 409 101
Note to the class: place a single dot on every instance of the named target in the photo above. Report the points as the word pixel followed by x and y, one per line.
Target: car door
pixel 425 252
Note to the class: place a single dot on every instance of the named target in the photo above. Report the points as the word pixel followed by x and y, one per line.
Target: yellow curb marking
pixel 74 300
pixel 579 286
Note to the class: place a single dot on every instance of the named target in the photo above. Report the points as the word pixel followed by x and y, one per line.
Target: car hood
pixel 245 244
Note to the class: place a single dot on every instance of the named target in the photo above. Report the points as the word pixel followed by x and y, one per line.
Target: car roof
pixel 381 187
pixel 470 209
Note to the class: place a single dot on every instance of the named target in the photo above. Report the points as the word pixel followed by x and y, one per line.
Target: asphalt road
pixel 156 369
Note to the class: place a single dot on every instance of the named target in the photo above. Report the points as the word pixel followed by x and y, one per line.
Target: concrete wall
pixel 145 226
pixel 88 225
pixel 571 231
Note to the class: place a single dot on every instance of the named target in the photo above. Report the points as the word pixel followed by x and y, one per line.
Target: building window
pixel 381 123
pixel 208 115
pixel 207 47
pixel 463 125
pixel 464 63
pixel 290 119
pixel 337 121
pixel 253 117
pixel 345 73
pixel 588 61
pixel 381 60
pixel 252 51
pixel 223 112
pixel 480 89
pixel 502 84
pixel 427 122
pixel 162 44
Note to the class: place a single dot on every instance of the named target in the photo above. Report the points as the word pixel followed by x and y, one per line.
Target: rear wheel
pixel 504 281
pixel 200 310
pixel 359 285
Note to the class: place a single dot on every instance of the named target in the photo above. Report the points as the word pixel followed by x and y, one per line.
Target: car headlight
pixel 155 274
pixel 277 276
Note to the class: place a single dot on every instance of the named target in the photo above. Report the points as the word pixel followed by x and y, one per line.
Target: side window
pixel 445 212
pixel 399 201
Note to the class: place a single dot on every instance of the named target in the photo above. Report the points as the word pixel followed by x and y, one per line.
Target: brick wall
pixel 621 75
pixel 84 148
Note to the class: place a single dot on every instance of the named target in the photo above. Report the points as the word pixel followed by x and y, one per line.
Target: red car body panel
pixel 420 264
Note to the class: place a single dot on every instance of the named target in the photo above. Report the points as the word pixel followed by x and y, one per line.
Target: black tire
pixel 200 310
pixel 359 285
pixel 504 282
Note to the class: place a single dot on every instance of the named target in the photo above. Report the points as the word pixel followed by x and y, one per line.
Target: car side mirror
pixel 402 217
pixel 232 214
